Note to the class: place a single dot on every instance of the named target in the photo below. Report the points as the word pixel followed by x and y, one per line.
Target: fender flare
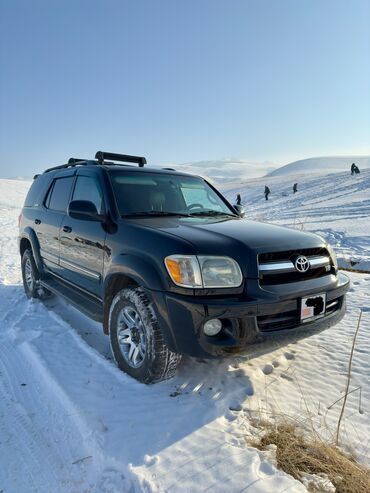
pixel 30 235
pixel 145 275
pixel 140 270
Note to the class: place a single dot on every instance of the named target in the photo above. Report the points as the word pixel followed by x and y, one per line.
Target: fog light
pixel 212 327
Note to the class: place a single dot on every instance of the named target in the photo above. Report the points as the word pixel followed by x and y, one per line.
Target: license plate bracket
pixel 313 307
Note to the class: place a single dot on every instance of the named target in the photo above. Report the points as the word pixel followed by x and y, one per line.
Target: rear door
pixel 49 219
pixel 82 241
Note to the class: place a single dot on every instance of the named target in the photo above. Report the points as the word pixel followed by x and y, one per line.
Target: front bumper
pixel 250 324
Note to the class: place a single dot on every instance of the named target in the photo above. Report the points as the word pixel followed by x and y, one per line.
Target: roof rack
pixel 101 157
pixel 125 158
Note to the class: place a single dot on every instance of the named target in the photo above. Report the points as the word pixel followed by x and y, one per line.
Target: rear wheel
pixel 136 338
pixel 31 277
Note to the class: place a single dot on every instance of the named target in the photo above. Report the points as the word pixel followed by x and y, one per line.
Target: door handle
pixel 67 229
pixel 37 221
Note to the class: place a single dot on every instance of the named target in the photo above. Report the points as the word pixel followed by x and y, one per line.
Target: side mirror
pixel 85 210
pixel 239 210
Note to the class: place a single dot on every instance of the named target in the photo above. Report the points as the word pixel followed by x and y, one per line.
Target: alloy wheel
pixel 29 275
pixel 131 336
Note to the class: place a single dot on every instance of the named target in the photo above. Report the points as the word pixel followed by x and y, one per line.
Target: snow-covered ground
pixel 70 421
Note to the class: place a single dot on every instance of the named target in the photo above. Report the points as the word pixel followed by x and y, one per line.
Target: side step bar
pixel 85 303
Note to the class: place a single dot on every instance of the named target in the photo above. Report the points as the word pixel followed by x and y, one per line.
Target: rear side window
pixel 58 196
pixel 35 193
pixel 88 189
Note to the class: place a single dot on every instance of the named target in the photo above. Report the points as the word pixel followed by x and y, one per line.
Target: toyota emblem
pixel 301 264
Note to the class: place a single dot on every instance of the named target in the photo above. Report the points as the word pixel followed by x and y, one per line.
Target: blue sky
pixel 179 81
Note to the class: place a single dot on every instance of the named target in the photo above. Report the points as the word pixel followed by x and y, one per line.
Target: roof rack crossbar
pixel 102 156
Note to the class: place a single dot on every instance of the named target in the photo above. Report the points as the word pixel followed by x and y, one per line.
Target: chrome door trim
pixel 79 269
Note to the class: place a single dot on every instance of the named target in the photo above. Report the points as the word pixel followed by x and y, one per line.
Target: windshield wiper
pixel 211 212
pixel 157 213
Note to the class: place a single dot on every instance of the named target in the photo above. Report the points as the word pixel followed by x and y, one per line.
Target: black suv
pixel 169 266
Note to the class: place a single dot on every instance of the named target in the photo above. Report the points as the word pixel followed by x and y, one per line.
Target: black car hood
pixel 221 236
pixel 237 238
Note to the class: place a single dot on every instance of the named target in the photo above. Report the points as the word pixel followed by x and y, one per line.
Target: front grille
pixel 284 278
pixel 285 320
pixel 278 267
pixel 281 256
pixel 290 320
pixel 332 306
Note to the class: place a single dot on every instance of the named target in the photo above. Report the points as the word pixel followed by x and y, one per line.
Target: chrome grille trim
pixel 275 267
pixel 319 261
pixel 288 266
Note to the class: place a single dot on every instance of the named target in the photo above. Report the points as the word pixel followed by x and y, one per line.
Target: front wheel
pixel 136 338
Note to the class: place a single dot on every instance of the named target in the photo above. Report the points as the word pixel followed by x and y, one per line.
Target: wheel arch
pixel 24 244
pixel 135 271
pixel 113 285
pixel 29 239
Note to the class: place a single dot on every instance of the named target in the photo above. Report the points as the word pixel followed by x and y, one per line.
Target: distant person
pixel 295 187
pixel 238 199
pixel 354 169
pixel 267 192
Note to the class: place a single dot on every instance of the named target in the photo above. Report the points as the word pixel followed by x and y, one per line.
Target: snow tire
pixel 159 362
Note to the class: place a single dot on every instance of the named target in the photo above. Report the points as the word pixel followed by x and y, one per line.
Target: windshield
pixel 165 194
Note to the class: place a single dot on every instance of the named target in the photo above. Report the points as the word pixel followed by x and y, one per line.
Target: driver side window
pixel 201 197
pixel 88 189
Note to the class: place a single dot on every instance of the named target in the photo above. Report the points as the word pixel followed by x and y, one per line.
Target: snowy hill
pixel 226 170
pixel 330 164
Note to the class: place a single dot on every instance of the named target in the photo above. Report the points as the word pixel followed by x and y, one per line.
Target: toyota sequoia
pixel 169 266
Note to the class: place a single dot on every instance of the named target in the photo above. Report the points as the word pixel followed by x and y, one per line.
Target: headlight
pixel 332 255
pixel 191 271
pixel 184 270
pixel 220 272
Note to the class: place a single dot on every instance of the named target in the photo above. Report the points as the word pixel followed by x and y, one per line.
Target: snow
pixel 70 421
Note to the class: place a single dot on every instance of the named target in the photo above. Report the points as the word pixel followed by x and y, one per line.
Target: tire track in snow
pixel 33 426
pixel 38 460
pixel 51 429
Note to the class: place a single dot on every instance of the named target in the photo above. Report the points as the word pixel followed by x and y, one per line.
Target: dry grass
pixel 297 453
